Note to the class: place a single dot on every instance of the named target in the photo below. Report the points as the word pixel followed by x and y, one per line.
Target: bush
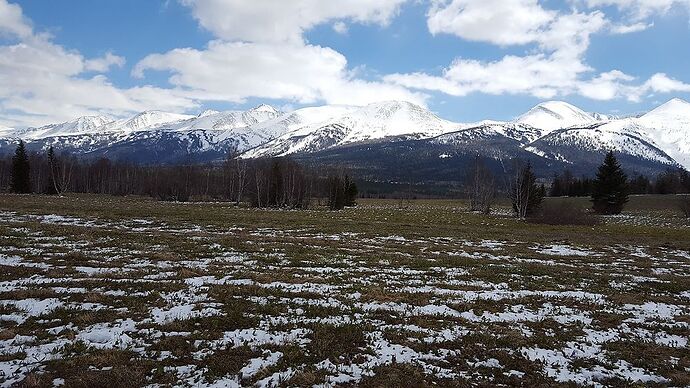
pixel 564 213
pixel 684 205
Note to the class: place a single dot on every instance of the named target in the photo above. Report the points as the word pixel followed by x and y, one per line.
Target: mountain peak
pixel 671 110
pixel 149 118
pixel 207 112
pixel 264 108
pixel 677 100
pixel 552 115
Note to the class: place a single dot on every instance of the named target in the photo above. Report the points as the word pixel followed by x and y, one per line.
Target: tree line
pixel 285 183
pixel 264 183
pixel 608 190
pixel 671 181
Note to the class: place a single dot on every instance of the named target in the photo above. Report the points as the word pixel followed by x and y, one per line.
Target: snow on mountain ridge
pixel 147 120
pixel 673 109
pixel 264 108
pixel 265 131
pixel 668 126
pixel 77 126
pixel 551 115
pixel 316 129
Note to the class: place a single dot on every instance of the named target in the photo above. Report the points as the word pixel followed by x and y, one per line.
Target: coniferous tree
pixel 610 191
pixel 351 192
pixel 53 187
pixel 20 180
pixel 556 189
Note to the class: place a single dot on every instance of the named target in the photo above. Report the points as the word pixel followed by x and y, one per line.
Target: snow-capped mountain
pixel 554 135
pixel 669 127
pixel 662 135
pixel 146 120
pixel 317 129
pixel 576 145
pixel 79 126
pixel 6 131
pixel 551 115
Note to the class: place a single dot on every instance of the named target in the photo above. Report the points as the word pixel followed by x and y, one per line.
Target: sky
pixel 466 60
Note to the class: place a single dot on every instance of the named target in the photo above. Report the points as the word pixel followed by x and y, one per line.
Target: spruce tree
pixel 52 165
pixel 20 182
pixel 610 192
pixel 350 192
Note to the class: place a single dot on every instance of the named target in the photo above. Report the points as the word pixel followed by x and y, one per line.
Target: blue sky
pixel 464 59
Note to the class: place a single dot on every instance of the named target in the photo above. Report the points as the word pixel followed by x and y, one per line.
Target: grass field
pixel 105 291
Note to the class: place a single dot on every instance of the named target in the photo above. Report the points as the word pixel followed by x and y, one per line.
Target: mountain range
pixel 385 140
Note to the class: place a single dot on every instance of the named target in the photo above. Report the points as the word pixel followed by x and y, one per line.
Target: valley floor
pixel 105 291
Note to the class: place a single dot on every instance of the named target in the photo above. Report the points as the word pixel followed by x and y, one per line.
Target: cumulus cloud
pixel 502 22
pixel 104 64
pixel 250 60
pixel 551 71
pixel 284 21
pixel 234 71
pixel 42 82
pixel 553 65
pixel 12 21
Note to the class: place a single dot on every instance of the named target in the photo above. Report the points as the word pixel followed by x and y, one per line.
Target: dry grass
pixel 144 293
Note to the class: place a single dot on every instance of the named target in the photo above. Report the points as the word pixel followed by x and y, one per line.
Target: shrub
pixel 564 213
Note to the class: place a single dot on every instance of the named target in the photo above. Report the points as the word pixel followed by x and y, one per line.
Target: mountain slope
pixel 581 146
pixel 669 127
pixel 552 135
pixel 79 126
pixel 146 120
pixel 327 127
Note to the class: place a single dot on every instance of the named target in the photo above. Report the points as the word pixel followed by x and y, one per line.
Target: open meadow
pixel 127 292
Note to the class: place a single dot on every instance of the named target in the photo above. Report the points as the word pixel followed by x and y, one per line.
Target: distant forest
pixel 276 182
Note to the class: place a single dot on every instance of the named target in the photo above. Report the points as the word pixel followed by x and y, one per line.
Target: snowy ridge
pixel 146 120
pixel 317 129
pixel 669 127
pixel 552 130
pixel 622 136
pixel 551 115
pixel 80 125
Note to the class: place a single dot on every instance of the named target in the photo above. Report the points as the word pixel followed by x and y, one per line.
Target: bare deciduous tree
pixel 480 187
pixel 525 194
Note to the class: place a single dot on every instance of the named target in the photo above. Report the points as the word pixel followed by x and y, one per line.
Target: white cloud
pixel 104 64
pixel 556 67
pixel 233 71
pixel 538 75
pixel 630 28
pixel 42 82
pixel 641 9
pixel 553 70
pixel 340 27
pixel 284 20
pixel 261 53
pixel 12 21
pixel 606 86
pixel 661 83
pixel 502 22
